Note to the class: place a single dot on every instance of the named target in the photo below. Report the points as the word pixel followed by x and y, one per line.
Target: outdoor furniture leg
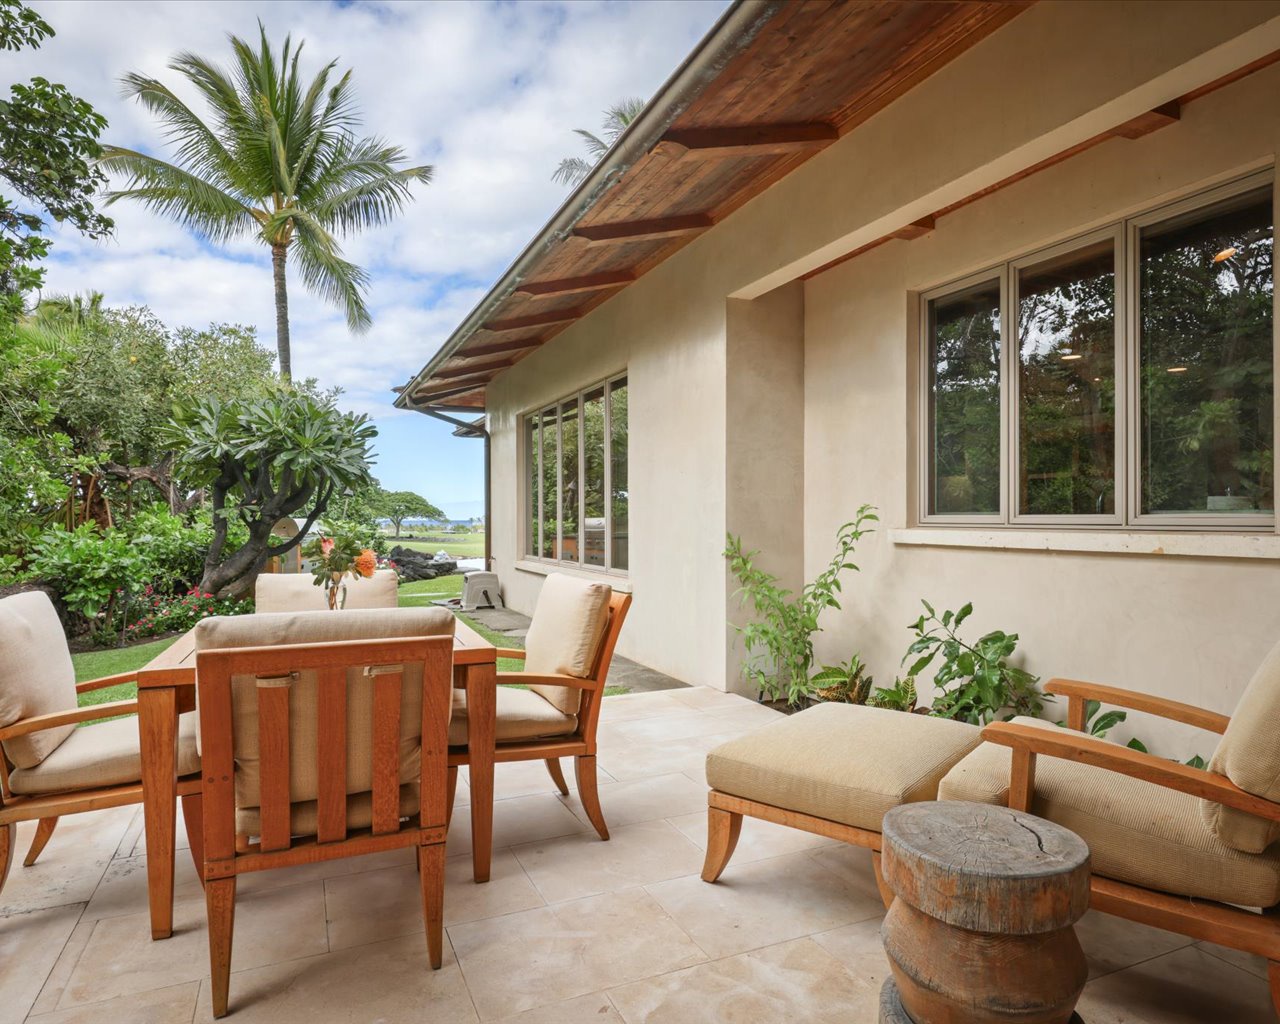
pixel 453 793
pixel 193 818
pixel 8 837
pixel 44 829
pixel 158 730
pixel 482 711
pixel 723 829
pixel 431 857
pixel 585 770
pixel 557 775
pixel 220 903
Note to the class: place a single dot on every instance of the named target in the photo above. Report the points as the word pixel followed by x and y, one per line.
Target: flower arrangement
pixel 334 559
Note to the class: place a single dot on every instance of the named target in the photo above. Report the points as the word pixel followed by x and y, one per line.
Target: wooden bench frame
pixel 1204 920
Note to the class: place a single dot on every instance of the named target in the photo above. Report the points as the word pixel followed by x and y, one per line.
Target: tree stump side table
pixel 981 927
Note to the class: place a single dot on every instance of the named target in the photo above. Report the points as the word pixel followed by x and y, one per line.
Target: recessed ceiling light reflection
pixel 1071 355
pixel 1176 369
pixel 1226 254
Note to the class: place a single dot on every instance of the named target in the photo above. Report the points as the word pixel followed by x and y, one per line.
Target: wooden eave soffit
pixel 748 140
pixel 576 285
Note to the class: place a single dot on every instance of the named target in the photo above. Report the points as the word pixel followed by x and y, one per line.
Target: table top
pixel 177 664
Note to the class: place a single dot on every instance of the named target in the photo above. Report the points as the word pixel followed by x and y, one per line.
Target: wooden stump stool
pixel 981 927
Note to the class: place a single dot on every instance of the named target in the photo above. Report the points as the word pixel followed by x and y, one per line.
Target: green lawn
pixel 459 545
pixel 96 664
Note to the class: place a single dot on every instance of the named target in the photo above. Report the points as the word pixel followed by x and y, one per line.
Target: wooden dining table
pixel 166 689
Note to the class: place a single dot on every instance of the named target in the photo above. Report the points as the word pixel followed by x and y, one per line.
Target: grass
pixel 459 545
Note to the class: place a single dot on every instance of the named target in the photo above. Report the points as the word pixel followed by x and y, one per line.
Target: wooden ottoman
pixel 982 926
pixel 834 770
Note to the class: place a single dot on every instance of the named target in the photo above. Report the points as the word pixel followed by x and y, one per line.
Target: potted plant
pixel 779 640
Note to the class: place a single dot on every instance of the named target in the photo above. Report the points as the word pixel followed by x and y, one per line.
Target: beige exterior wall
pixel 713 378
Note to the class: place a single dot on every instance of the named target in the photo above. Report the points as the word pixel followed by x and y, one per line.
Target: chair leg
pixel 8 839
pixel 220 903
pixel 584 768
pixel 193 818
pixel 453 792
pixel 723 829
pixel 1273 979
pixel 44 829
pixel 431 876
pixel 557 776
pixel 886 894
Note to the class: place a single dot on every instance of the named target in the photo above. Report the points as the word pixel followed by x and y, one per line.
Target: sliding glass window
pixel 1139 390
pixel 576 475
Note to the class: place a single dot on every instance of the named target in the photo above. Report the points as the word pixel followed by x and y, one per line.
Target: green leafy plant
pixel 1098 725
pixel 901 696
pixel 779 642
pixel 849 683
pixel 88 566
pixel 976 681
pixel 154 613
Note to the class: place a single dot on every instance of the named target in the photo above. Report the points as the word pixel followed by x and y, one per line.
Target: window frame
pixel 1128 463
pixel 533 498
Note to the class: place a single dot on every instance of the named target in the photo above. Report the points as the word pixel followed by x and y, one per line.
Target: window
pixel 576 478
pixel 1136 387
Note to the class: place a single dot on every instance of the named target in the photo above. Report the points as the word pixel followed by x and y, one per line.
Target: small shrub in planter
pixel 155 614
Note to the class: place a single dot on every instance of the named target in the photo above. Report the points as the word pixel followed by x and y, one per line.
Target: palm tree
pixel 573 169
pixel 277 159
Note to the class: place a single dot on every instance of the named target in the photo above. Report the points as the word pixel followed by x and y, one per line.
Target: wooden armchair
pixel 49 767
pixel 324 735
pixel 1180 848
pixel 567 654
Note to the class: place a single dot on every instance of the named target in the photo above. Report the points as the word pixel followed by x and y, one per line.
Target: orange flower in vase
pixel 365 563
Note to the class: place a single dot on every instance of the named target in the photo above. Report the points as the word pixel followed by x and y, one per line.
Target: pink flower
pixel 326 545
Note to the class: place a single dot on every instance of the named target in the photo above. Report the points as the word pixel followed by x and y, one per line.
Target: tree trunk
pixel 282 311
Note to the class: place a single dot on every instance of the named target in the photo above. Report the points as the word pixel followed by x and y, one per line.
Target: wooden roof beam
pixel 748 140
pixel 497 348
pixel 915 229
pixel 1153 120
pixel 519 323
pixel 468 371
pixel 644 230
pixel 421 397
pixel 576 285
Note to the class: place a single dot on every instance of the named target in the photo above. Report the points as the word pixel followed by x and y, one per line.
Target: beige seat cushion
pixel 304 817
pixel 842 762
pixel 298 592
pixel 276 629
pixel 522 715
pixel 565 634
pixel 105 754
pixel 1249 755
pixel 1137 832
pixel 36 676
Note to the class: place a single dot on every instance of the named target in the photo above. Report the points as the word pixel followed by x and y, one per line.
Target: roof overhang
pixel 701 148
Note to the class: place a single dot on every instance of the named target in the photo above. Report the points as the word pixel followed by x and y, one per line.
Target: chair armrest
pixel 1078 692
pixel 510 652
pixel 1029 740
pixel 105 681
pixel 527 678
pixel 38 723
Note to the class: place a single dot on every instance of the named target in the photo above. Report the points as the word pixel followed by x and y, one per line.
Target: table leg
pixel 482 711
pixel 158 732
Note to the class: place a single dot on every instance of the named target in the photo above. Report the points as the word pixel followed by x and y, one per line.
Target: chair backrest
pixel 589 711
pixel 317 722
pixel 566 634
pixel 36 674
pixel 298 592
pixel 1249 755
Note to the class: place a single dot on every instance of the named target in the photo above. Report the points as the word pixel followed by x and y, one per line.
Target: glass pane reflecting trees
pixel 1207 427
pixel 1066 383
pixel 618 471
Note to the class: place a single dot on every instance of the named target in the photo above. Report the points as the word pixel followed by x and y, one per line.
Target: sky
pixel 488 93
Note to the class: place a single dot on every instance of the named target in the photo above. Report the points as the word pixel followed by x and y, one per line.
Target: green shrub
pixel 154 613
pixel 87 566
pixel 173 549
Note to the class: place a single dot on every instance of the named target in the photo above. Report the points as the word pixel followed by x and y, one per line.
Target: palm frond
pixel 325 273
pixel 572 170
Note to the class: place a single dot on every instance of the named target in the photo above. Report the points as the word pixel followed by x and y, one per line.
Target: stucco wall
pixel 1055 76
pixel 1189 628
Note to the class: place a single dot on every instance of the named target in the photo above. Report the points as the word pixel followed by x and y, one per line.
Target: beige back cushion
pixel 272 630
pixel 36 675
pixel 298 592
pixel 1249 755
pixel 565 635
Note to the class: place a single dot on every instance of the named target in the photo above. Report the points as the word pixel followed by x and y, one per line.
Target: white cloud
pixel 487 92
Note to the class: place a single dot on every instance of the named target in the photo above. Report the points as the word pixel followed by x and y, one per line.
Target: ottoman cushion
pixel 842 762
pixel 1137 832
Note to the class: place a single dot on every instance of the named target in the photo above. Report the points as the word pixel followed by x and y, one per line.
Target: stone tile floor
pixel 569 930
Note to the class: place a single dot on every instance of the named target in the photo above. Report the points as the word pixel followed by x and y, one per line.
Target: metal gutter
pixel 735 30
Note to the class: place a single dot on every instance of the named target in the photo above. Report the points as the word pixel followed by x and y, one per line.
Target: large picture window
pixel 576 478
pixel 1136 386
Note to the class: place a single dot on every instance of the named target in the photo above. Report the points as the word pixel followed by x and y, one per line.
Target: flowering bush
pixel 153 613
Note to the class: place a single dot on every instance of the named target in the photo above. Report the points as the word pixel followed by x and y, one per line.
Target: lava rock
pixel 417 565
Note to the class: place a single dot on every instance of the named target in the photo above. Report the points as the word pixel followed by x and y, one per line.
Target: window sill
pixel 615 580
pixel 1168 545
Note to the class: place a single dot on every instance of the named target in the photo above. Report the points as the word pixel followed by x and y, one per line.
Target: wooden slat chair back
pixel 337 823
pixel 580 743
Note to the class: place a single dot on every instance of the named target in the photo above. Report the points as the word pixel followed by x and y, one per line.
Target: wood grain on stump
pixel 981 925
